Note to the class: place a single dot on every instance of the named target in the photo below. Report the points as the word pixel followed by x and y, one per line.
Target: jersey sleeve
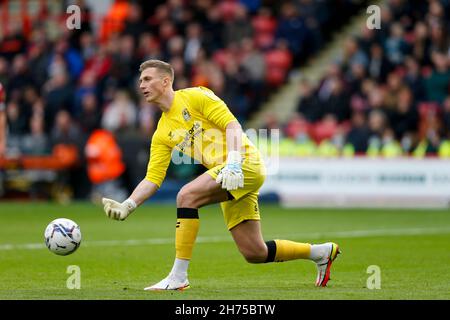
pixel 159 161
pixel 215 109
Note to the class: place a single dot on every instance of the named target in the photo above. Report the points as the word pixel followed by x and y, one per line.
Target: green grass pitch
pixel 118 259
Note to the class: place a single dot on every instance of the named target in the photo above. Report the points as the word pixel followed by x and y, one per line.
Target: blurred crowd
pixel 62 84
pixel 388 94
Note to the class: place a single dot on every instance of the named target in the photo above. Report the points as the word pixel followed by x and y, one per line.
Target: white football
pixel 62 236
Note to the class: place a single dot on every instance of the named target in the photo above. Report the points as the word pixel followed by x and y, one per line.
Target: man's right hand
pixel 118 211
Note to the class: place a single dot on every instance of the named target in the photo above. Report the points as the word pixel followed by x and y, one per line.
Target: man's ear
pixel 166 81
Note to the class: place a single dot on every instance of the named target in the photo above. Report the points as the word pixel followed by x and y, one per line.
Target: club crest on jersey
pixel 186 115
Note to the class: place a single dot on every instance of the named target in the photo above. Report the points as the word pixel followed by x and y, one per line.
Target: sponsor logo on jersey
pixel 186 114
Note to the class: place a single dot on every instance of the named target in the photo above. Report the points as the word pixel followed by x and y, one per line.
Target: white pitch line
pixel 215 239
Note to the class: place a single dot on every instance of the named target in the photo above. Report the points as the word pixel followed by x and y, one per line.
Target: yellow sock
pixel 285 250
pixel 187 227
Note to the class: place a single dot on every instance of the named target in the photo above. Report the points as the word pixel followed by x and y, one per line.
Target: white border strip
pixel 304 236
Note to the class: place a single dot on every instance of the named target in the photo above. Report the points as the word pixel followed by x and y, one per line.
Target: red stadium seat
pixel 427 109
pixel 228 9
pixel 264 40
pixel 426 71
pixel 279 58
pixel 324 129
pixel 278 64
pixel 275 76
pixel 428 117
pixel 296 126
pixel 263 24
pixel 221 57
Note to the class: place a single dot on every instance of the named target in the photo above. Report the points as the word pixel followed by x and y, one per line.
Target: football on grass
pixel 62 236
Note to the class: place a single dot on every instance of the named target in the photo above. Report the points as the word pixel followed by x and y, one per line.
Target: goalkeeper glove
pixel 231 175
pixel 118 211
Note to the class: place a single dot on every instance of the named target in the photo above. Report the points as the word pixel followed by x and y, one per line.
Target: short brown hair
pixel 158 64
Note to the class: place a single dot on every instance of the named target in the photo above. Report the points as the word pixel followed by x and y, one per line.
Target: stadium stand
pixel 391 86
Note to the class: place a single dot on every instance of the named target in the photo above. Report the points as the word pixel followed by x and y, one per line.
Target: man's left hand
pixel 231 175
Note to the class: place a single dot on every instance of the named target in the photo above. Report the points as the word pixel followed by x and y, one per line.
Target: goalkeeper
pixel 198 124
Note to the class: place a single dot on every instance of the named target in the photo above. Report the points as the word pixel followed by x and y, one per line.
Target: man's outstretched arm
pixel 120 211
pixel 144 190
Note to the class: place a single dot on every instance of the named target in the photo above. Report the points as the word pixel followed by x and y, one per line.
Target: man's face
pixel 153 84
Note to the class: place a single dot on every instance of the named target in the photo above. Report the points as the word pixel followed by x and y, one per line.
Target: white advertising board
pixel 361 182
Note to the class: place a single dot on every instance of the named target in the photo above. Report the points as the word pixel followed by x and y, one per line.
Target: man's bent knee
pixel 186 198
pixel 256 256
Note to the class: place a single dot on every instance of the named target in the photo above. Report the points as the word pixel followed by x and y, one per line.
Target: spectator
pixel 446 115
pixel 390 148
pixel 58 94
pixel 355 78
pixel 279 63
pixel 422 43
pixel 90 116
pixel 2 120
pixel 359 134
pixel 238 27
pixel 210 43
pixel 120 114
pixel 99 64
pixel 20 76
pixel 338 103
pixel 87 86
pixel 134 25
pixel 379 66
pixel 367 40
pixel 39 56
pixel 213 30
pixel 148 117
pixel 393 87
pixel 396 47
pixel 17 122
pixel 167 30
pixel 4 77
pixel 65 131
pixel 105 165
pixel 175 47
pixel 292 28
pixel 414 79
pixel 437 85
pixel 88 46
pixel 439 37
pixel 254 65
pixel 148 47
pixel 71 56
pixel 324 89
pixel 251 5
pixel 376 99
pixel 405 117
pixel 193 43
pixel 377 124
pixel 308 104
pixel 124 63
pixel 36 142
pixel 14 43
pixel 233 95
pixel 178 13
pixel 353 54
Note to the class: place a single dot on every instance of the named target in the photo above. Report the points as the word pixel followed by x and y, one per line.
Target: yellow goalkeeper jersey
pixel 193 131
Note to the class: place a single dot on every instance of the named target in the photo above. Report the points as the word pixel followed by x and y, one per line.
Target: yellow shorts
pixel 244 206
